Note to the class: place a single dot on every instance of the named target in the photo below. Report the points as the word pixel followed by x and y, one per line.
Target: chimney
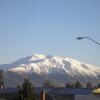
pixel 43 95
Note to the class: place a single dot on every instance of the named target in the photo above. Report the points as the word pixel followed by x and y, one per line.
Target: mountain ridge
pixel 42 67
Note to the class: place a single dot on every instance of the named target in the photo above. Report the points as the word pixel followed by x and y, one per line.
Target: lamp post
pixel 79 38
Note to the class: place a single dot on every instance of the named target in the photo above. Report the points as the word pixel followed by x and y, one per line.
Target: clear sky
pixel 49 27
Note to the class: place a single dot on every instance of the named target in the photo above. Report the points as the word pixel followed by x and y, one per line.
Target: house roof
pixel 9 90
pixel 74 91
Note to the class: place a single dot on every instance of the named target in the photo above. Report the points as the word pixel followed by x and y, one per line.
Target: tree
pixel 47 84
pixel 89 85
pixel 1 74
pixel 78 84
pixel 98 85
pixel 1 78
pixel 26 92
pixel 70 85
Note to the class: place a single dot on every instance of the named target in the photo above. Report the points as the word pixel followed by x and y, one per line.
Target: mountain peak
pixel 38 55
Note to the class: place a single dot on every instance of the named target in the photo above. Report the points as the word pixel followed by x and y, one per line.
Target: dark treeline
pixel 78 84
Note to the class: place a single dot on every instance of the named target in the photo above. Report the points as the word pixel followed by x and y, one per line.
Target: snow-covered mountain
pixel 53 68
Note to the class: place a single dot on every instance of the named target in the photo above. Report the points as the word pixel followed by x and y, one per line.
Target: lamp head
pixel 79 38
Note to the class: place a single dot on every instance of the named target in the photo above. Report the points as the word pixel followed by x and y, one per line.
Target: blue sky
pixel 49 27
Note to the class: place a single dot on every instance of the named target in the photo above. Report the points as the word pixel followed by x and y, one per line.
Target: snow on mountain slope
pixel 61 69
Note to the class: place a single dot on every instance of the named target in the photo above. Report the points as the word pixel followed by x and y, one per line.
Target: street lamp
pixel 79 38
